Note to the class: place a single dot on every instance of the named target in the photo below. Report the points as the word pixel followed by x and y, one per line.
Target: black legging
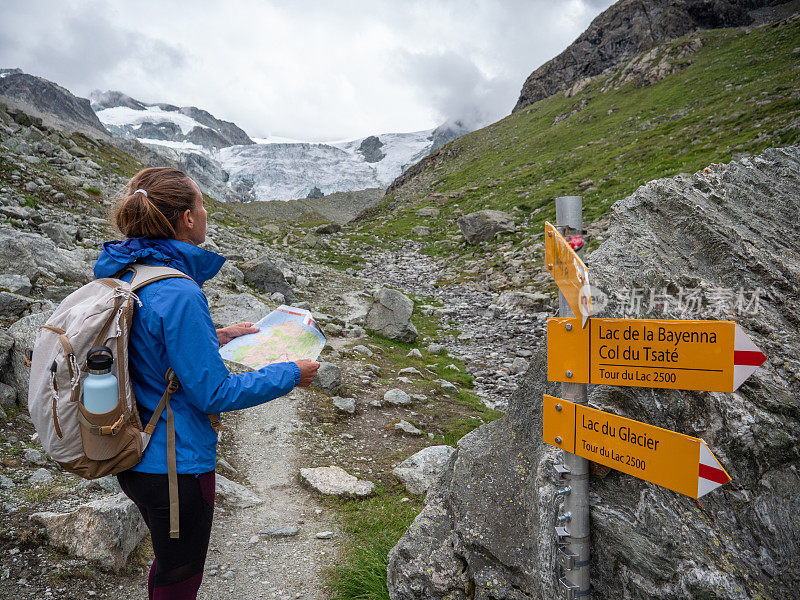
pixel 177 571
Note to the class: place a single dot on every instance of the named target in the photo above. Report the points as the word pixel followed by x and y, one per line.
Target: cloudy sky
pixel 306 69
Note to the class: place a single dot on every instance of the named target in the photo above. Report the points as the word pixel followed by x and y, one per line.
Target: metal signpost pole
pixel 573 529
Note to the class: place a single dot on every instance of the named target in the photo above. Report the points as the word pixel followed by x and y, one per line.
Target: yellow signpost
pixel 675 461
pixel 568 271
pixel 682 355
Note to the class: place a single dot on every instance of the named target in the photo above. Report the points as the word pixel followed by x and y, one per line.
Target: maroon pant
pixel 177 571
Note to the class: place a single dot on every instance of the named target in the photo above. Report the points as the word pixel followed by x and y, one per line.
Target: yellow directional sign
pixel 672 460
pixel 568 271
pixel 713 356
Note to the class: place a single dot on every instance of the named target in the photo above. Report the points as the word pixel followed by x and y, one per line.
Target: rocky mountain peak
pixel 128 117
pixel 55 105
pixel 109 99
pixel 626 29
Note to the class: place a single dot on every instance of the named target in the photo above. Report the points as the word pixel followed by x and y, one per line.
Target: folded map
pixel 285 334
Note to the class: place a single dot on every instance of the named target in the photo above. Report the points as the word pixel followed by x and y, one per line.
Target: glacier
pixel 272 168
pixel 286 171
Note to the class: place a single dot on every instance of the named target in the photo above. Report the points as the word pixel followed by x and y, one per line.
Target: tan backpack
pixel 88 444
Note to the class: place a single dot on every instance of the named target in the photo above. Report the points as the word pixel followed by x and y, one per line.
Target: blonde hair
pixel 155 213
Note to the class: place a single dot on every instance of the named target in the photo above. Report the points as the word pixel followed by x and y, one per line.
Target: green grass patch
pixel 373 526
pixel 340 260
pixel 30 200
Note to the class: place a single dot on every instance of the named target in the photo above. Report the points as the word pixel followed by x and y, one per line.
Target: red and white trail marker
pixel 711 474
pixel 746 357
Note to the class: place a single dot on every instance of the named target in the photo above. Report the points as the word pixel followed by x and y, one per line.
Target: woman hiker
pixel 163 221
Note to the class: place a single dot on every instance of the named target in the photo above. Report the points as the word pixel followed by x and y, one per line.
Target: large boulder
pixel 61 235
pixel 390 315
pixel 420 471
pixel 104 531
pixel 14 305
pixel 484 225
pixel 335 481
pixel 266 277
pixel 328 228
pixel 487 530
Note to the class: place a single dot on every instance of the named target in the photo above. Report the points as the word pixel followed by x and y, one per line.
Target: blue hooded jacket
pixel 173 328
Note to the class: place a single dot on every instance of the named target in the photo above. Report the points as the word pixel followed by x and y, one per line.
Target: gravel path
pixel 243 564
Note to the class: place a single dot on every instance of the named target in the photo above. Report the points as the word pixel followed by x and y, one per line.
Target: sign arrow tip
pixel 747 357
pixel 711 473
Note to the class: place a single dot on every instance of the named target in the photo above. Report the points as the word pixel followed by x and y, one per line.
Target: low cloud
pixel 80 46
pixel 308 69
pixel 456 89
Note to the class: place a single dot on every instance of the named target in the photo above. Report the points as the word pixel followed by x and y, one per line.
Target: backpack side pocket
pixel 106 435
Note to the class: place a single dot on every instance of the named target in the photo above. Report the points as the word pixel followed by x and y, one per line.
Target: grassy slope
pixel 739 94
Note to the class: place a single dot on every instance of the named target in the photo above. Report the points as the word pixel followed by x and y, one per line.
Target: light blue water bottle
pixel 100 388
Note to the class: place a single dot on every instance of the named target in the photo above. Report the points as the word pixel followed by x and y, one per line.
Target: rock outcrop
pixel 329 377
pixel 315 193
pixel 447 132
pixel 370 149
pixel 628 28
pixel 727 236
pixel 228 132
pixel 210 133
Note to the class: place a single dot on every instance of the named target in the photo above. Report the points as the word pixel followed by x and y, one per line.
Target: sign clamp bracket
pixel 572 590
pixel 568 561
pixel 562 470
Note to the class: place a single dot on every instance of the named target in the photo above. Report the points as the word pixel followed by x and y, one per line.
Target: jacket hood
pixel 201 265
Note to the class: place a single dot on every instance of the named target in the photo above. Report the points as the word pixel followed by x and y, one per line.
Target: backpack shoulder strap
pixel 145 274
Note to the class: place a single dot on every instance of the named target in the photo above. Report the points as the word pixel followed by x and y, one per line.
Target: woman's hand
pixel 226 334
pixel 308 370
